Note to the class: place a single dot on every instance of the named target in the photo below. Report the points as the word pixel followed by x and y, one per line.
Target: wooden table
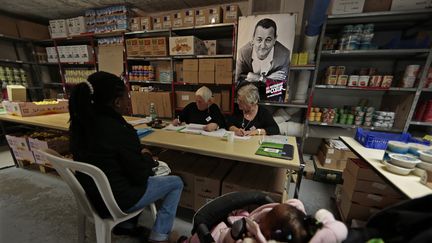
pixel 409 185
pixel 240 150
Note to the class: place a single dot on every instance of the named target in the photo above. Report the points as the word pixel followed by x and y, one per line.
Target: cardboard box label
pixel 185 97
pixel 17 142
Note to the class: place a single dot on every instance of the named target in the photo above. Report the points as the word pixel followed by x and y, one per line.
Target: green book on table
pixel 276 150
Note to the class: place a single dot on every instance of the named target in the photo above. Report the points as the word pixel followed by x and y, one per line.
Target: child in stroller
pixel 281 222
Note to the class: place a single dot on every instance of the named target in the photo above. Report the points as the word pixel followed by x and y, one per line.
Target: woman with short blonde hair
pixel 250 118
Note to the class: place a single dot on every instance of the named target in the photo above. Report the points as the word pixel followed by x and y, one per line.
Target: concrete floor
pixel 37 207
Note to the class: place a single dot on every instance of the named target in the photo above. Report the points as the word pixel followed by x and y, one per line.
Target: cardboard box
pixel 189 18
pixel 217 99
pixel 223 77
pixel 186 45
pixel 141 103
pixel 146 23
pixel 18 141
pixel 23 156
pixel 51 54
pixel 85 54
pixel 232 181
pixel 206 77
pixel 132 47
pixel 206 64
pixel 32 30
pixel 16 93
pixel 9 26
pixel 372 200
pixel 331 153
pixel 346 6
pixel 376 5
pixel 166 22
pixel 362 171
pixel 32 109
pixel 159 46
pixel 231 13
pixel 225 101
pixel 201 17
pixel 208 180
pixel 201 200
pixel 135 24
pixel 183 98
pixel 224 65
pixel 351 185
pixel 190 65
pixel 351 210
pixel 190 77
pixel 177 19
pixel 76 26
pixel 211 47
pixel 157 23
pixel 58 143
pixel 58 28
pixel 110 59
pixel 214 15
pixel 403 5
pixel 331 163
pixel 178 67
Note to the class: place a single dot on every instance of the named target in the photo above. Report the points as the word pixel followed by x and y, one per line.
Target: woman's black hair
pixel 87 98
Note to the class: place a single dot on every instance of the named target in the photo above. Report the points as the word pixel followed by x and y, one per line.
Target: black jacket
pixel 191 114
pixel 111 144
pixel 263 120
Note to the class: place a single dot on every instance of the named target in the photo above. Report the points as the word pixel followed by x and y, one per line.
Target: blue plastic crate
pixel 378 140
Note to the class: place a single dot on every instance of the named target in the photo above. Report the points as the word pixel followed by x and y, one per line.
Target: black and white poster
pixel 264 48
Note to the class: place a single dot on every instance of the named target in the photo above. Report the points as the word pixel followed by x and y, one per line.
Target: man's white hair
pixel 205 93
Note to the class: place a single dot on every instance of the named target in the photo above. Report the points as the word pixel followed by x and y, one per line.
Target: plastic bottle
pixel 153 113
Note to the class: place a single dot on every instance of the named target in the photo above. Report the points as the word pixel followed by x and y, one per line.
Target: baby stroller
pixel 214 218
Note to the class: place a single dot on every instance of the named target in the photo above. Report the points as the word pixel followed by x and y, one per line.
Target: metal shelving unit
pixel 294 105
pixel 417 123
pixel 365 88
pixel 394 20
pixel 302 67
pixel 25 58
pixel 382 129
pixel 206 32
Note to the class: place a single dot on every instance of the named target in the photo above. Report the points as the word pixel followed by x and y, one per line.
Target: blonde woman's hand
pixel 211 127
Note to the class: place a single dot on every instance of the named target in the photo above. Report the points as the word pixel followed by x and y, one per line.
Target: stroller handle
pixel 218 209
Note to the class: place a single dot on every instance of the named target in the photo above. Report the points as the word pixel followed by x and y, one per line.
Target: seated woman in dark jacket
pixel 100 136
pixel 202 111
pixel 250 118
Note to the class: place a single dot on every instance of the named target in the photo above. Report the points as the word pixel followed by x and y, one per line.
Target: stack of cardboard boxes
pixel 245 177
pixel 201 183
pixel 219 176
pixel 207 71
pixel 363 192
pixel 334 158
pixel 147 47
pixel 70 54
pixel 141 101
pixel 187 18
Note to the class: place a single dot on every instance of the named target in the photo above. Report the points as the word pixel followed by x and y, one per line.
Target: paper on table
pixel 242 138
pixel 193 128
pixel 171 127
pixel 279 139
pixel 218 133
pixel 139 121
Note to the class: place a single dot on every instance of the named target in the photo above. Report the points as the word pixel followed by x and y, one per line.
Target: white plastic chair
pixel 103 226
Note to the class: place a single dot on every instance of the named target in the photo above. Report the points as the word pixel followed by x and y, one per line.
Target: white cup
pixel 230 136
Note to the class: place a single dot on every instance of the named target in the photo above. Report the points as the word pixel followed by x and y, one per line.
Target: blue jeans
pixel 169 189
